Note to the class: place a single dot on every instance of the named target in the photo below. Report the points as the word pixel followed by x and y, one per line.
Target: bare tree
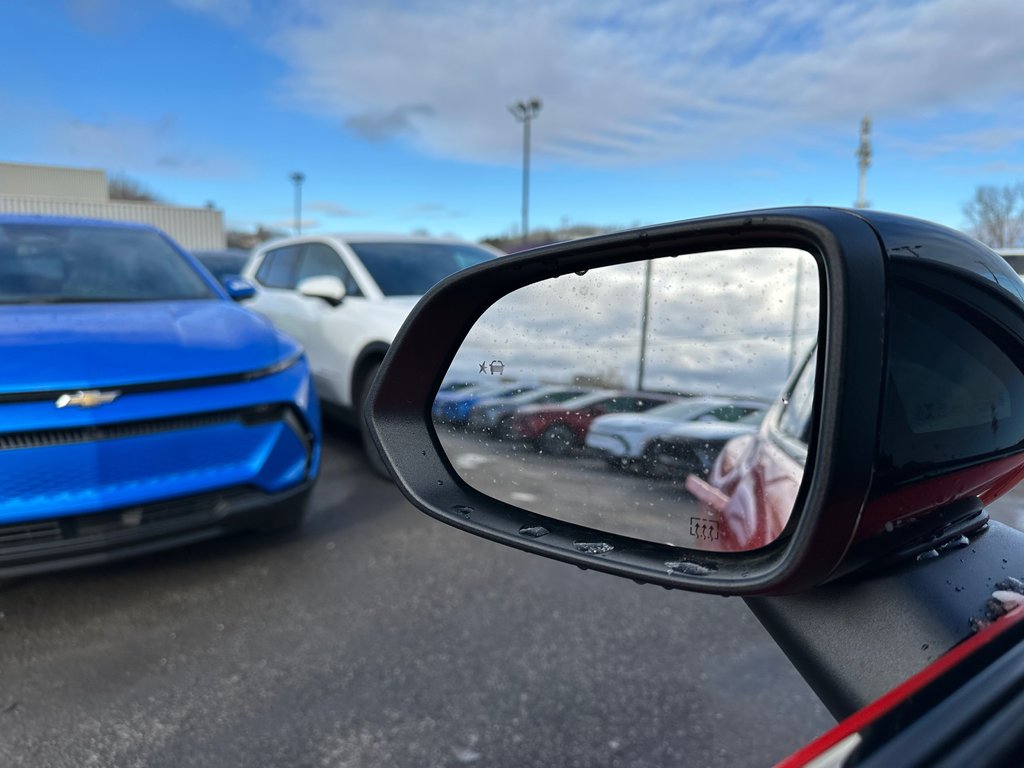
pixel 996 215
pixel 122 187
pixel 245 240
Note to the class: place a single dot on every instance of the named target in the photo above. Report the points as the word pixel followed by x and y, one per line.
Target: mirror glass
pixel 644 399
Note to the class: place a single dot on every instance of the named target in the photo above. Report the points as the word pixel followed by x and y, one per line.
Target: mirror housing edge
pixel 850 359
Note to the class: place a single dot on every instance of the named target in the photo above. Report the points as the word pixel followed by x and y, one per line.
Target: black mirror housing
pixel 855 251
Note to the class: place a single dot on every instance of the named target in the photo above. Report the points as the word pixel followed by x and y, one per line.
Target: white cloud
pixel 332 209
pixel 137 146
pixel 289 224
pixel 231 11
pixel 625 82
pixel 430 211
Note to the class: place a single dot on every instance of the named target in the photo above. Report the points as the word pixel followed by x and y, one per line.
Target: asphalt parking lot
pixel 378 637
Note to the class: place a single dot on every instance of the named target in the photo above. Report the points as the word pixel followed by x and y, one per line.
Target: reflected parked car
pixel 753 484
pixel 692 448
pixel 455 409
pixel 627 439
pixel 142 408
pixel 561 428
pixel 495 415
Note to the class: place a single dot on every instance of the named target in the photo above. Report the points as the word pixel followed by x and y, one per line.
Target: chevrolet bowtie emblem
pixel 87 398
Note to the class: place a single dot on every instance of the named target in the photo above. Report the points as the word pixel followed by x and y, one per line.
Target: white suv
pixel 345 297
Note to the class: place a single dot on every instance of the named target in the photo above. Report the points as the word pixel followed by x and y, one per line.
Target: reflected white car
pixel 626 439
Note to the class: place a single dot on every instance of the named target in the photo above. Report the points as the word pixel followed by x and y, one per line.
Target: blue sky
pixel 397 111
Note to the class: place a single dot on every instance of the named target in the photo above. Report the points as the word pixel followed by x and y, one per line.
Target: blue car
pixel 141 407
pixel 454 407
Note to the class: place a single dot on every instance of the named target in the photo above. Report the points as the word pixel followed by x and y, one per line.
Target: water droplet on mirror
pixel 593 547
pixel 683 568
pixel 957 543
pixel 462 510
pixel 534 531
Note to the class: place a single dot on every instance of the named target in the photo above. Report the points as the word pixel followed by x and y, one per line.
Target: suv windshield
pixel 411 269
pixel 50 263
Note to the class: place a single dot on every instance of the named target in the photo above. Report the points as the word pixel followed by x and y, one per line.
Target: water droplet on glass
pixel 462 510
pixel 593 547
pixel 534 531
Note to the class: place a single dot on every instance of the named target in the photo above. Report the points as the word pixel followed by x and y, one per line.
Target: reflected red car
pixel 560 428
pixel 752 488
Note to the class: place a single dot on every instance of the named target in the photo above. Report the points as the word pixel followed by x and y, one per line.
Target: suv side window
pixel 626 405
pixel 278 267
pixel 320 259
pixel 731 413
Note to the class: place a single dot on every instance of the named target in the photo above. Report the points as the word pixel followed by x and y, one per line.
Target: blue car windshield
pixel 412 268
pixel 56 264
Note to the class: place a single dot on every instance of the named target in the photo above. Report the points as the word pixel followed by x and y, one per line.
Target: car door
pixel 328 346
pixel 276 297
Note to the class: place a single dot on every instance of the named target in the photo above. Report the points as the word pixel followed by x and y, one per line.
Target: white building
pixel 58 191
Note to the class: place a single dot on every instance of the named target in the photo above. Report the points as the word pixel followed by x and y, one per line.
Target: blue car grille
pixel 204 508
pixel 73 471
pixel 50 437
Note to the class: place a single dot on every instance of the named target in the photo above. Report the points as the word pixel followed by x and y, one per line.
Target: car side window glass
pixel 623 405
pixel 278 267
pixel 729 413
pixel 954 392
pixel 319 259
pixel 264 270
pixel 795 420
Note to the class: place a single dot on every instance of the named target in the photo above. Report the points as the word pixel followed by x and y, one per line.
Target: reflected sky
pixel 723 323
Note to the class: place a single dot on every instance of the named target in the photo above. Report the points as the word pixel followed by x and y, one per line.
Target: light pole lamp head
pixel 297 177
pixel 525 110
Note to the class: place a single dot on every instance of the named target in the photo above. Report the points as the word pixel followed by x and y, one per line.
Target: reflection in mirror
pixel 630 398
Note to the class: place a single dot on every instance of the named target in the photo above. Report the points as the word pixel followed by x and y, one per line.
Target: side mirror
pixel 326 287
pixel 238 287
pixel 888 345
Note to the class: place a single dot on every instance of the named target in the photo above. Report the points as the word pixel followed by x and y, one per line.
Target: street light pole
pixel 525 112
pixel 297 178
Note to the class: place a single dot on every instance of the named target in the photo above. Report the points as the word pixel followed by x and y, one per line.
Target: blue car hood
pixel 88 346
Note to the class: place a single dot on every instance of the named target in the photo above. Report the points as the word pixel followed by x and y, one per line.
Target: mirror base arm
pixel 854 639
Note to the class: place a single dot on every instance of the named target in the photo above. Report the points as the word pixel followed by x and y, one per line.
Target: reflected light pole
pixel 525 112
pixel 297 178
pixel 796 313
pixel 642 366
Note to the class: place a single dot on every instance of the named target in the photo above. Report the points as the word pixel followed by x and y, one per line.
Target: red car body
pixel 532 422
